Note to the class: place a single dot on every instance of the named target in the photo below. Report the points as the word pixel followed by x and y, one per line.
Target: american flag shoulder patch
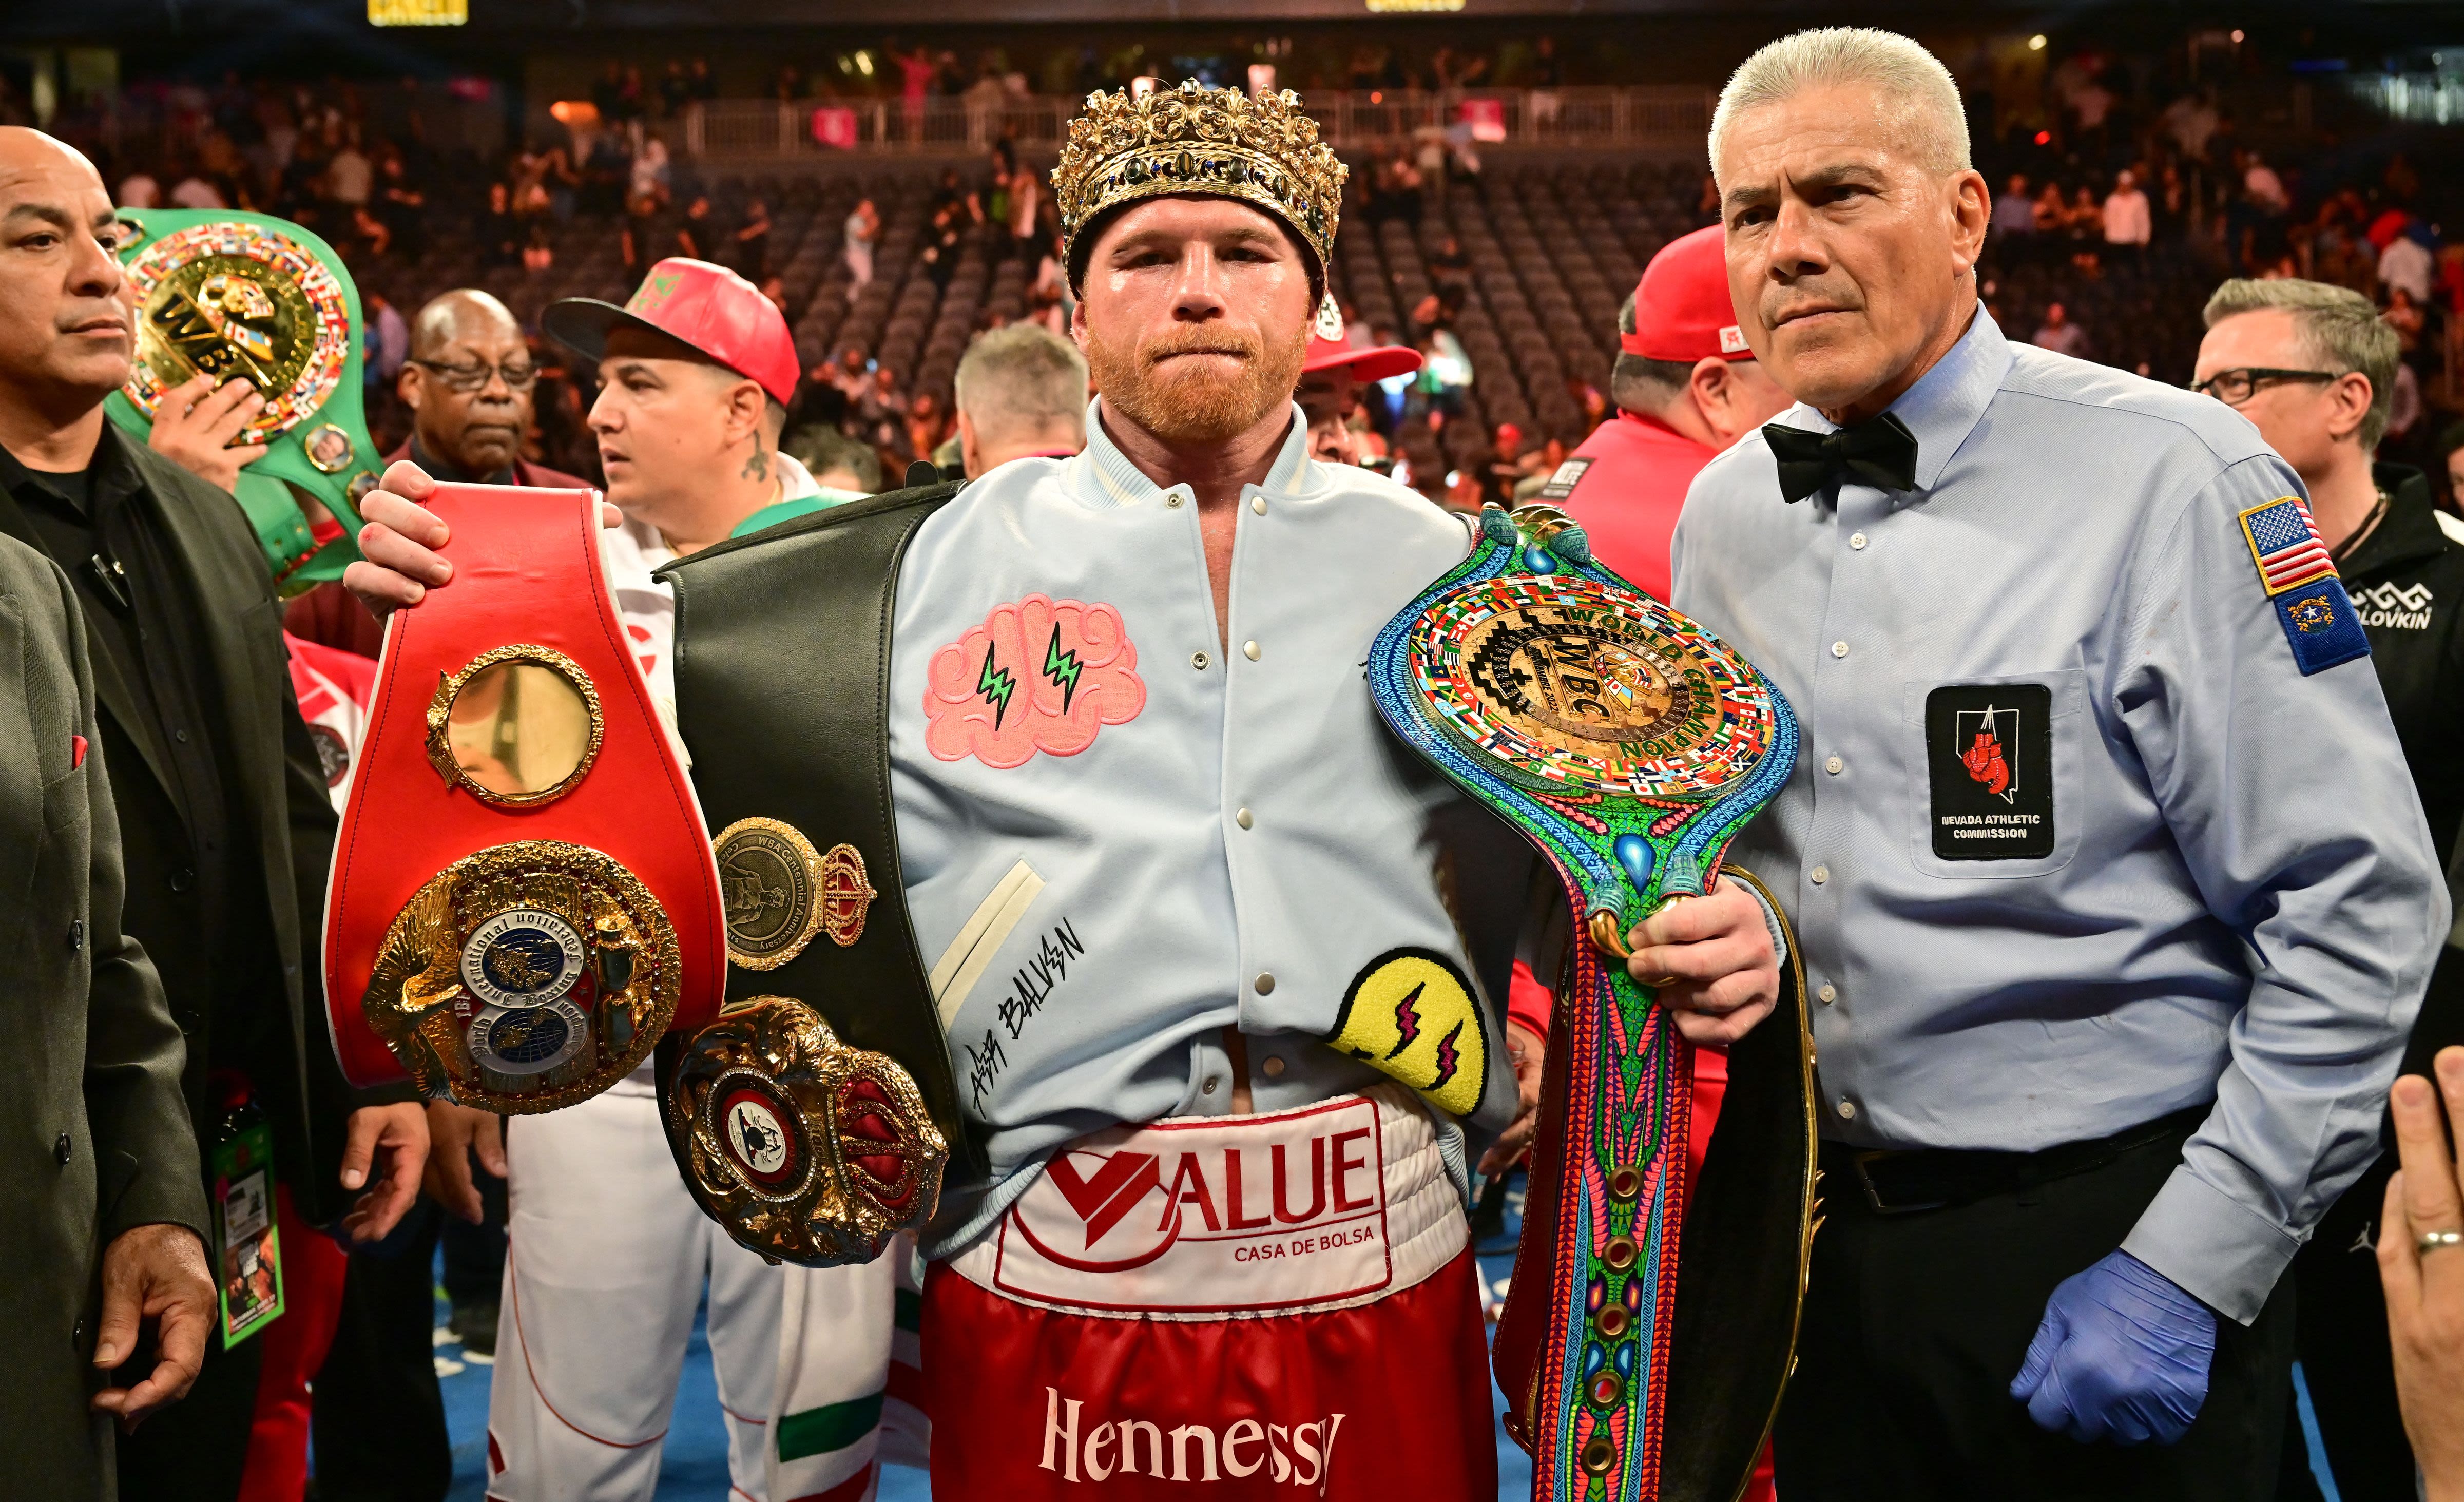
pixel 2286 544
pixel 2299 574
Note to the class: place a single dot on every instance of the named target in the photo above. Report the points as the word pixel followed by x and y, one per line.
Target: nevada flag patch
pixel 2299 577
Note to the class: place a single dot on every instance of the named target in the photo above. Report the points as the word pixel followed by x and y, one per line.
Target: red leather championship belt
pixel 524 897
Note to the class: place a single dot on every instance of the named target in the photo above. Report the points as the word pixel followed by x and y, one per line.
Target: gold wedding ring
pixel 2432 1241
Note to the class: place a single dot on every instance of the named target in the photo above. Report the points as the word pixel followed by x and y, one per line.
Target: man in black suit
pixel 228 827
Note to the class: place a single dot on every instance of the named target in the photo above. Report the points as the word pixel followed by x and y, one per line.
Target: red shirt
pixel 1635 472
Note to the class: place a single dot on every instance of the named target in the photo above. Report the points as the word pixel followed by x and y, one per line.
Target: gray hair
pixel 820 450
pixel 2341 328
pixel 1022 378
pixel 1919 96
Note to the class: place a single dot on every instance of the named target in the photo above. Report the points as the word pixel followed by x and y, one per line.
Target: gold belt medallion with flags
pixel 1629 745
pixel 236 295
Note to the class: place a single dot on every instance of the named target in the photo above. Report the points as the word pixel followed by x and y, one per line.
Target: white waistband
pixel 1230 1217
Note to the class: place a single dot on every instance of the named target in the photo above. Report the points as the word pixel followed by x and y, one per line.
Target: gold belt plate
pixel 525 977
pixel 806 1149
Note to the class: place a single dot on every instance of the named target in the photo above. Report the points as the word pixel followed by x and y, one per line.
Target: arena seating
pixel 1553 248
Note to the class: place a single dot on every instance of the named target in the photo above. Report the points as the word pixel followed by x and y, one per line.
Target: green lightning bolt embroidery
pixel 995 686
pixel 1060 669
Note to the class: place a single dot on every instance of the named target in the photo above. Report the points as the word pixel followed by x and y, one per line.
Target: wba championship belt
pixel 805 1149
pixel 817 1120
pixel 1629 745
pixel 523 898
pixel 233 295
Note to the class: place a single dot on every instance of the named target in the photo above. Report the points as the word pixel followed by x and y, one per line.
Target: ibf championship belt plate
pixel 523 897
pixel 1629 745
pixel 807 1150
pixel 525 976
pixel 236 295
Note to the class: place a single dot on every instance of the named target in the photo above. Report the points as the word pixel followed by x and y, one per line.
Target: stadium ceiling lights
pixel 419 12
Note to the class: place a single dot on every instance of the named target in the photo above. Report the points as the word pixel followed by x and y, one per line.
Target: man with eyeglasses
pixel 2313 367
pixel 469 384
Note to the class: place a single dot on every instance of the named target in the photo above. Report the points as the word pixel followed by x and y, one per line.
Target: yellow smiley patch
pixel 1413 1014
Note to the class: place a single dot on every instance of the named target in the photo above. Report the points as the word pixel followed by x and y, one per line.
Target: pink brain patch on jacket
pixel 1038 676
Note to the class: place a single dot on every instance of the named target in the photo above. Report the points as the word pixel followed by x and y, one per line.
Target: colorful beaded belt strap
pixel 1630 745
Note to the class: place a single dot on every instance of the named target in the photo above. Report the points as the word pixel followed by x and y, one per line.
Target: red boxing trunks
pixel 1261 1307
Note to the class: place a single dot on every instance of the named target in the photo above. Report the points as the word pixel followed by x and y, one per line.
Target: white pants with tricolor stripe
pixel 608 1259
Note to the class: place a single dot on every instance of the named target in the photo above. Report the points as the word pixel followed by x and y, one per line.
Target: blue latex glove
pixel 2123 1355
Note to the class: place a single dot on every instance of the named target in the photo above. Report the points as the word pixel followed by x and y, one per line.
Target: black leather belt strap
pixel 1939 1177
pixel 783 696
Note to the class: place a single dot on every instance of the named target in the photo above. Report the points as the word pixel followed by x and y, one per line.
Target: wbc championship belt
pixel 1629 745
pixel 523 898
pixel 243 296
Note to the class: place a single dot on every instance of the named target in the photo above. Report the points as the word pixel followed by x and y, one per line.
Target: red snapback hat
pixel 709 307
pixel 1331 345
pixel 1681 307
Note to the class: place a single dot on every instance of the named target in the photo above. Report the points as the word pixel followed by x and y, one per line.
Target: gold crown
pixel 1196 139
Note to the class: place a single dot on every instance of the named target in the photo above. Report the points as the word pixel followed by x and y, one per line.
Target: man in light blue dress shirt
pixel 2112 890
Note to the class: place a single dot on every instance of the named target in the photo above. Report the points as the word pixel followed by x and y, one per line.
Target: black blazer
pixel 93 1136
pixel 283 822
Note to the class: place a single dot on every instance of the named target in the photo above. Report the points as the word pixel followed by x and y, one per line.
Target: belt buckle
pixel 1862 1162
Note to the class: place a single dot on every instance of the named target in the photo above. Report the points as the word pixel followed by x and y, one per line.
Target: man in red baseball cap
pixel 1332 372
pixel 607 1252
pixel 1686 386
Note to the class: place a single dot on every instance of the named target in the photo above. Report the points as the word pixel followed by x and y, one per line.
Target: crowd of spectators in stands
pixel 2112 222
pixel 2112 217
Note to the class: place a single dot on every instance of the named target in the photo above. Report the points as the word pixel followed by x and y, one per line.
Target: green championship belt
pixel 1628 746
pixel 236 294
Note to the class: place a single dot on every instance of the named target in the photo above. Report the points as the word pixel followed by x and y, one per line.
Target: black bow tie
pixel 1881 453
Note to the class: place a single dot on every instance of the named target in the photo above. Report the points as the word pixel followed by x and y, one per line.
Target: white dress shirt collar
pixel 1102 475
pixel 1946 402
